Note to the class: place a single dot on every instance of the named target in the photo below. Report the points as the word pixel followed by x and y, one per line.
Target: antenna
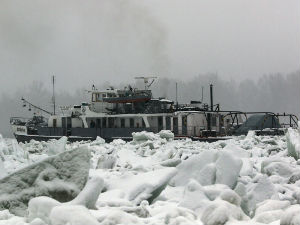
pixel 202 94
pixel 53 94
pixel 146 81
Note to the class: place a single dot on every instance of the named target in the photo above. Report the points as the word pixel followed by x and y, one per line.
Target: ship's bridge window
pixel 103 95
pixel 98 97
pixel 111 95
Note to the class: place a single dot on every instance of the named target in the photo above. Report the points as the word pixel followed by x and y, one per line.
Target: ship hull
pixel 27 138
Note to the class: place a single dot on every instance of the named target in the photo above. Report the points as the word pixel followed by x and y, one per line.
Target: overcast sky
pixel 85 42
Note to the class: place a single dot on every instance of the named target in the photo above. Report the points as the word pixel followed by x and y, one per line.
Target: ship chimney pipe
pixel 53 96
pixel 176 97
pixel 211 98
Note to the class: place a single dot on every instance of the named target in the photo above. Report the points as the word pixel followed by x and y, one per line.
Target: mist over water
pixel 273 93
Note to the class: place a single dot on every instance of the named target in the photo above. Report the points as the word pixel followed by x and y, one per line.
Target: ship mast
pixel 146 81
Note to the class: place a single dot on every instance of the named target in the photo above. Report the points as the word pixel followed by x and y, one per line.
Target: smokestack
pixel 176 97
pixel 211 98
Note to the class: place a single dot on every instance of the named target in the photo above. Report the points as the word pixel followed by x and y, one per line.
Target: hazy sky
pixel 85 42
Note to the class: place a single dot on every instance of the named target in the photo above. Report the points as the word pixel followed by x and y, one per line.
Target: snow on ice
pixel 61 177
pixel 153 179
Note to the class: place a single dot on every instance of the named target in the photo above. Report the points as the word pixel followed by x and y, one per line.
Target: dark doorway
pixel 168 123
pixel 184 125
pixel 160 123
pixel 175 125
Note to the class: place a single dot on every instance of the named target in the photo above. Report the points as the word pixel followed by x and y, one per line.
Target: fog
pixel 249 50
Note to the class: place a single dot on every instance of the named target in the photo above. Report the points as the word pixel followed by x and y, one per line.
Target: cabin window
pixel 54 122
pixel 110 95
pixel 104 95
pixel 122 123
pixel 98 97
pixel 131 123
pixel 111 122
pixel 104 122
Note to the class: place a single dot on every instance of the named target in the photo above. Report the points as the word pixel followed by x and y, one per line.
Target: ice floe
pixel 153 179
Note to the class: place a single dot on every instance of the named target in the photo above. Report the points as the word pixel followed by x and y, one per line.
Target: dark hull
pixel 210 139
pixel 27 138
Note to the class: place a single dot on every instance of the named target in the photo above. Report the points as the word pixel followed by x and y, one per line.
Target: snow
pixel 190 168
pixel 167 134
pixel 143 186
pixel 220 212
pixel 71 214
pixel 89 195
pixel 106 162
pixel 98 141
pixel 57 146
pixel 270 210
pixel 209 167
pixel 291 216
pixel 154 179
pixel 228 169
pixel 40 207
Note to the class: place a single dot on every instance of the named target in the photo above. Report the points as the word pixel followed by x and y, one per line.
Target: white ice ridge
pixel 61 177
pixel 154 179
pixel 293 142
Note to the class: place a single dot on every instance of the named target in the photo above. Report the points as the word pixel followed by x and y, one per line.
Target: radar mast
pixel 148 81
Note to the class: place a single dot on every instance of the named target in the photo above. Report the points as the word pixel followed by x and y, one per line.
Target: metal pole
pixel 176 96
pixel 211 98
pixel 53 97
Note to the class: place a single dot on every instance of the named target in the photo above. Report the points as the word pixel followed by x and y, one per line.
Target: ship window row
pixel 96 97
pixel 116 122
